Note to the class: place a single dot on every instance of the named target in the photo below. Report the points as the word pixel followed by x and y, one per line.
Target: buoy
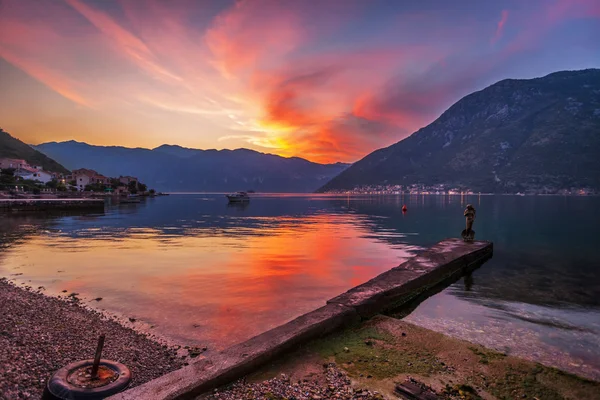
pixel 404 208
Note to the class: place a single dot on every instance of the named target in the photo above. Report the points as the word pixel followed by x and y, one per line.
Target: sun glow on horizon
pixel 326 81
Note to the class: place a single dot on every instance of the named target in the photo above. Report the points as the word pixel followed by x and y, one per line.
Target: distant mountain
pixel 178 151
pixel 538 134
pixel 11 147
pixel 175 168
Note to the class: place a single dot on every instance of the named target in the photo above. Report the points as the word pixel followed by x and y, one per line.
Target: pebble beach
pixel 332 383
pixel 40 334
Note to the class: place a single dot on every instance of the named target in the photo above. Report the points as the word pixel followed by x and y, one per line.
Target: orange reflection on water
pixel 209 287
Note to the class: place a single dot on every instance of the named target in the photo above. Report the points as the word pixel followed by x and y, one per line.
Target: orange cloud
pixel 308 101
pixel 26 45
pixel 314 79
pixel 47 76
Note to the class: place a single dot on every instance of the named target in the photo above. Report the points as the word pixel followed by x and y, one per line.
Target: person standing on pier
pixel 469 234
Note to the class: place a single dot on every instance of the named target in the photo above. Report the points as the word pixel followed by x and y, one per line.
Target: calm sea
pixel 195 270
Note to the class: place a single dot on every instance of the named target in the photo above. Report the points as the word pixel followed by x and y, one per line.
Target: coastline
pixel 39 320
pixel 40 334
pixel 370 360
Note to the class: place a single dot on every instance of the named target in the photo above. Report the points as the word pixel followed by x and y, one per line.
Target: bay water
pixel 198 271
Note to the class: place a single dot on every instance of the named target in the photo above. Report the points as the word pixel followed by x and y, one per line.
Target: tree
pixel 7 177
pixel 142 187
pixel 152 192
pixel 95 187
pixel 133 187
pixel 8 172
pixel 115 183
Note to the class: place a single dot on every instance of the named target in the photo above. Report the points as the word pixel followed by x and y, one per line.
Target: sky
pixel 326 80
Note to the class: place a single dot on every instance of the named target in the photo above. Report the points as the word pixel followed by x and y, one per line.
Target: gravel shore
pixel 334 384
pixel 40 334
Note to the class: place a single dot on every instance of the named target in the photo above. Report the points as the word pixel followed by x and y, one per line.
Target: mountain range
pixel 11 147
pixel 531 135
pixel 176 168
pixel 517 135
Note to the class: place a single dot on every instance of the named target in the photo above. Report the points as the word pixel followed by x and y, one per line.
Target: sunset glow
pixel 288 266
pixel 324 80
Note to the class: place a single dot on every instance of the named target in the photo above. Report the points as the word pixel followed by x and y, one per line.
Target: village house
pixel 125 180
pixel 121 191
pixel 101 179
pixel 13 163
pixel 84 177
pixel 36 175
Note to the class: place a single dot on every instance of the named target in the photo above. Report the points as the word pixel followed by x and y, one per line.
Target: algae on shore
pixel 384 351
pixel 369 351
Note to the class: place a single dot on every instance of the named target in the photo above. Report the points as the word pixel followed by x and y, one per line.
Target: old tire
pixel 58 388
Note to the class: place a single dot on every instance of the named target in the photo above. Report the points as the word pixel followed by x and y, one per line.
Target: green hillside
pixel 14 148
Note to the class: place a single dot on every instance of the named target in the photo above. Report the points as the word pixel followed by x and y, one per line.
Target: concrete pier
pixel 27 205
pixel 443 262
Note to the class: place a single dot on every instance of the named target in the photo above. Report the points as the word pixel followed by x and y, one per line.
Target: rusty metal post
pixel 96 364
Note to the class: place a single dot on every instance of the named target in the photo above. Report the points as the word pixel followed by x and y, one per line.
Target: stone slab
pixel 241 359
pixel 425 270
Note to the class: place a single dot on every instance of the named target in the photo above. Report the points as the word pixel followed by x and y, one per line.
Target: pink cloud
pixel 500 27
pixel 131 45
pixel 287 75
pixel 28 46
pixel 534 27
pixel 54 80
pixel 253 33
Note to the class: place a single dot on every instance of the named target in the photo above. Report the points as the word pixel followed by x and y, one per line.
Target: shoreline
pixel 370 360
pixel 53 197
pixel 40 334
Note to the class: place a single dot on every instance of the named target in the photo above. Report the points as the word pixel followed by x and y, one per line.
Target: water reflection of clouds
pixel 227 268
pixel 233 276
pixel 210 225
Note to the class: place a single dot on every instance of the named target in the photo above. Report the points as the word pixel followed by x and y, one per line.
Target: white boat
pixel 239 197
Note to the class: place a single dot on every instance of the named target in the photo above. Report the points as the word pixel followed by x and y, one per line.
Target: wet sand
pixel 40 334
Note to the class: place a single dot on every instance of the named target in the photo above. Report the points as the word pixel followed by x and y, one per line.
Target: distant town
pixel 18 178
pixel 442 189
pixel 21 179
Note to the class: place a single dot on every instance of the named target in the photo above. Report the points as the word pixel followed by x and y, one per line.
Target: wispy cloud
pixel 54 80
pixel 128 43
pixel 327 80
pixel 500 28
